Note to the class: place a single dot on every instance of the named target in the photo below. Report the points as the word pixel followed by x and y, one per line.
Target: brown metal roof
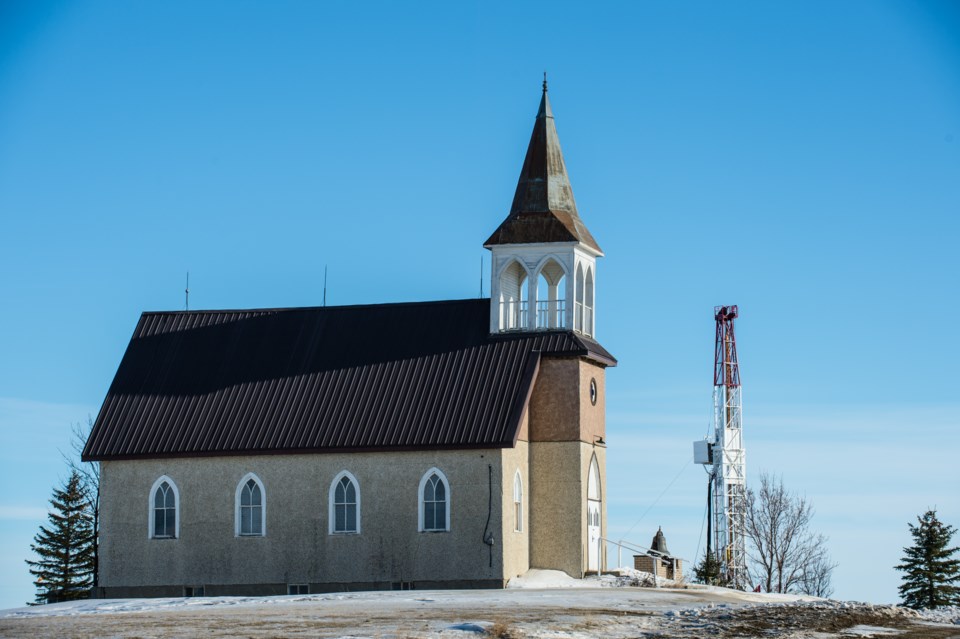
pixel 389 376
pixel 543 207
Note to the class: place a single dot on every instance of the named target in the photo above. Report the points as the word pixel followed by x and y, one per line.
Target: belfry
pixel 544 258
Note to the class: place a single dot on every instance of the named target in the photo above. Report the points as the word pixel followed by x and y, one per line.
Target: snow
pixel 121 606
pixel 947 614
pixel 536 578
pixel 541 604
pixel 620 578
pixel 549 583
pixel 870 631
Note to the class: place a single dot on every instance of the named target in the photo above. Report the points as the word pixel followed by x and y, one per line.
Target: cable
pixel 702 524
pixel 657 500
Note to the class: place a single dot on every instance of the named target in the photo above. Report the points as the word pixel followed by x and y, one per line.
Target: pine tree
pixel 64 570
pixel 708 570
pixel 931 570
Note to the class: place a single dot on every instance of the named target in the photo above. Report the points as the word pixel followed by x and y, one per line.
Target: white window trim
pixel 423 483
pixel 263 506
pixel 518 521
pixel 331 496
pixel 176 504
pixel 594 477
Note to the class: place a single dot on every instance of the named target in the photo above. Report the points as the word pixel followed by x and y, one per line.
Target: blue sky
pixel 799 159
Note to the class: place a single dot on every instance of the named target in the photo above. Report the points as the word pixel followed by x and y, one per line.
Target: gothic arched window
pixel 164 509
pixel 517 503
pixel 251 505
pixel 434 498
pixel 513 297
pixel 344 504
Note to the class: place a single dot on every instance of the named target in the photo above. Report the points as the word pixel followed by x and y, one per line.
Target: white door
pixel 593 535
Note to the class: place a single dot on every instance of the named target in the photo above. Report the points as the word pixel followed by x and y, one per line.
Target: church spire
pixel 543 208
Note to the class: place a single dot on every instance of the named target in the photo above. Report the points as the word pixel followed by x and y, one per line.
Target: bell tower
pixel 543 268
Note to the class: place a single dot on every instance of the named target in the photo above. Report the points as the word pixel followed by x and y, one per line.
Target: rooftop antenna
pixel 324 284
pixel 187 293
pixel 481 276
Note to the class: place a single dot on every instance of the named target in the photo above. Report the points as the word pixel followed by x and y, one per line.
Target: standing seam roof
pixel 390 376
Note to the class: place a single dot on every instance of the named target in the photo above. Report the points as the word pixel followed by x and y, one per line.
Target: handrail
pixel 621 544
pixel 551 314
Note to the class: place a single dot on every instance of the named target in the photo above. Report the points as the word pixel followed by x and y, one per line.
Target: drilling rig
pixel 724 458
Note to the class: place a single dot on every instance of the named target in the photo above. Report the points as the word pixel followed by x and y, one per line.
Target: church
pixel 448 444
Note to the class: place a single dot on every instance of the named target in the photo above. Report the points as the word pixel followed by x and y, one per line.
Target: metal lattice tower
pixel 729 460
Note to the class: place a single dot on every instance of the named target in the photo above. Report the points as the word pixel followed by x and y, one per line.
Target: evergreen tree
pixel 708 570
pixel 64 570
pixel 931 570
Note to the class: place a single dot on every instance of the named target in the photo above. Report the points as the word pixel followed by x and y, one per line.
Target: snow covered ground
pixel 542 604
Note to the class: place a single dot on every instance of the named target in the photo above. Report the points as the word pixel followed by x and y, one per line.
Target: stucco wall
pixel 297 547
pixel 515 544
pixel 565 429
pixel 559 513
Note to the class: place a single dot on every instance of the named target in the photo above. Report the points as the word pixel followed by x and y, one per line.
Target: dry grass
pixel 513 618
pixel 503 630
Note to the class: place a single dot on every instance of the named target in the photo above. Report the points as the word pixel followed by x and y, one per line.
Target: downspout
pixel 487 533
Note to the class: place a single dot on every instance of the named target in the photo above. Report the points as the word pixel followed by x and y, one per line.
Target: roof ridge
pixel 315 308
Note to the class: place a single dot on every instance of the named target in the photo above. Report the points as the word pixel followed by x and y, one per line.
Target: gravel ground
pixel 572 613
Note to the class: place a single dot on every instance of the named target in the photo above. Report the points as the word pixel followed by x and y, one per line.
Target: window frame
pixel 263 507
pixel 176 508
pixel 594 487
pixel 331 504
pixel 517 502
pixel 420 503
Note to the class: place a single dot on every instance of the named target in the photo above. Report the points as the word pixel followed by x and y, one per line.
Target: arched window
pixel 344 503
pixel 517 503
pixel 164 520
pixel 578 301
pixel 434 501
pixel 593 481
pixel 588 304
pixel 251 505
pixel 513 297
pixel 551 294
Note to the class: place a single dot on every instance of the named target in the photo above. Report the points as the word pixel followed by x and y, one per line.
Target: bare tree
pixel 785 555
pixel 89 473
pixel 817 575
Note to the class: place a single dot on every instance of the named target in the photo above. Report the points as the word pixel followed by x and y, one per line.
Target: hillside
pixel 585 610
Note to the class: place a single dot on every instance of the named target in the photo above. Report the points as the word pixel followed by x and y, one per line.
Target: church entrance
pixel 594 540
pixel 593 535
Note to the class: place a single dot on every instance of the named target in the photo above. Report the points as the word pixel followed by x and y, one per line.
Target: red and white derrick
pixel 725 456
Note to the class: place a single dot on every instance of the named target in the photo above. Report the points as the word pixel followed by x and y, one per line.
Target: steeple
pixel 543 207
pixel 544 259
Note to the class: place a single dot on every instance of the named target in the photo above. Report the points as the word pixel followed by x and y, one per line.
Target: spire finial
pixel 544 81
